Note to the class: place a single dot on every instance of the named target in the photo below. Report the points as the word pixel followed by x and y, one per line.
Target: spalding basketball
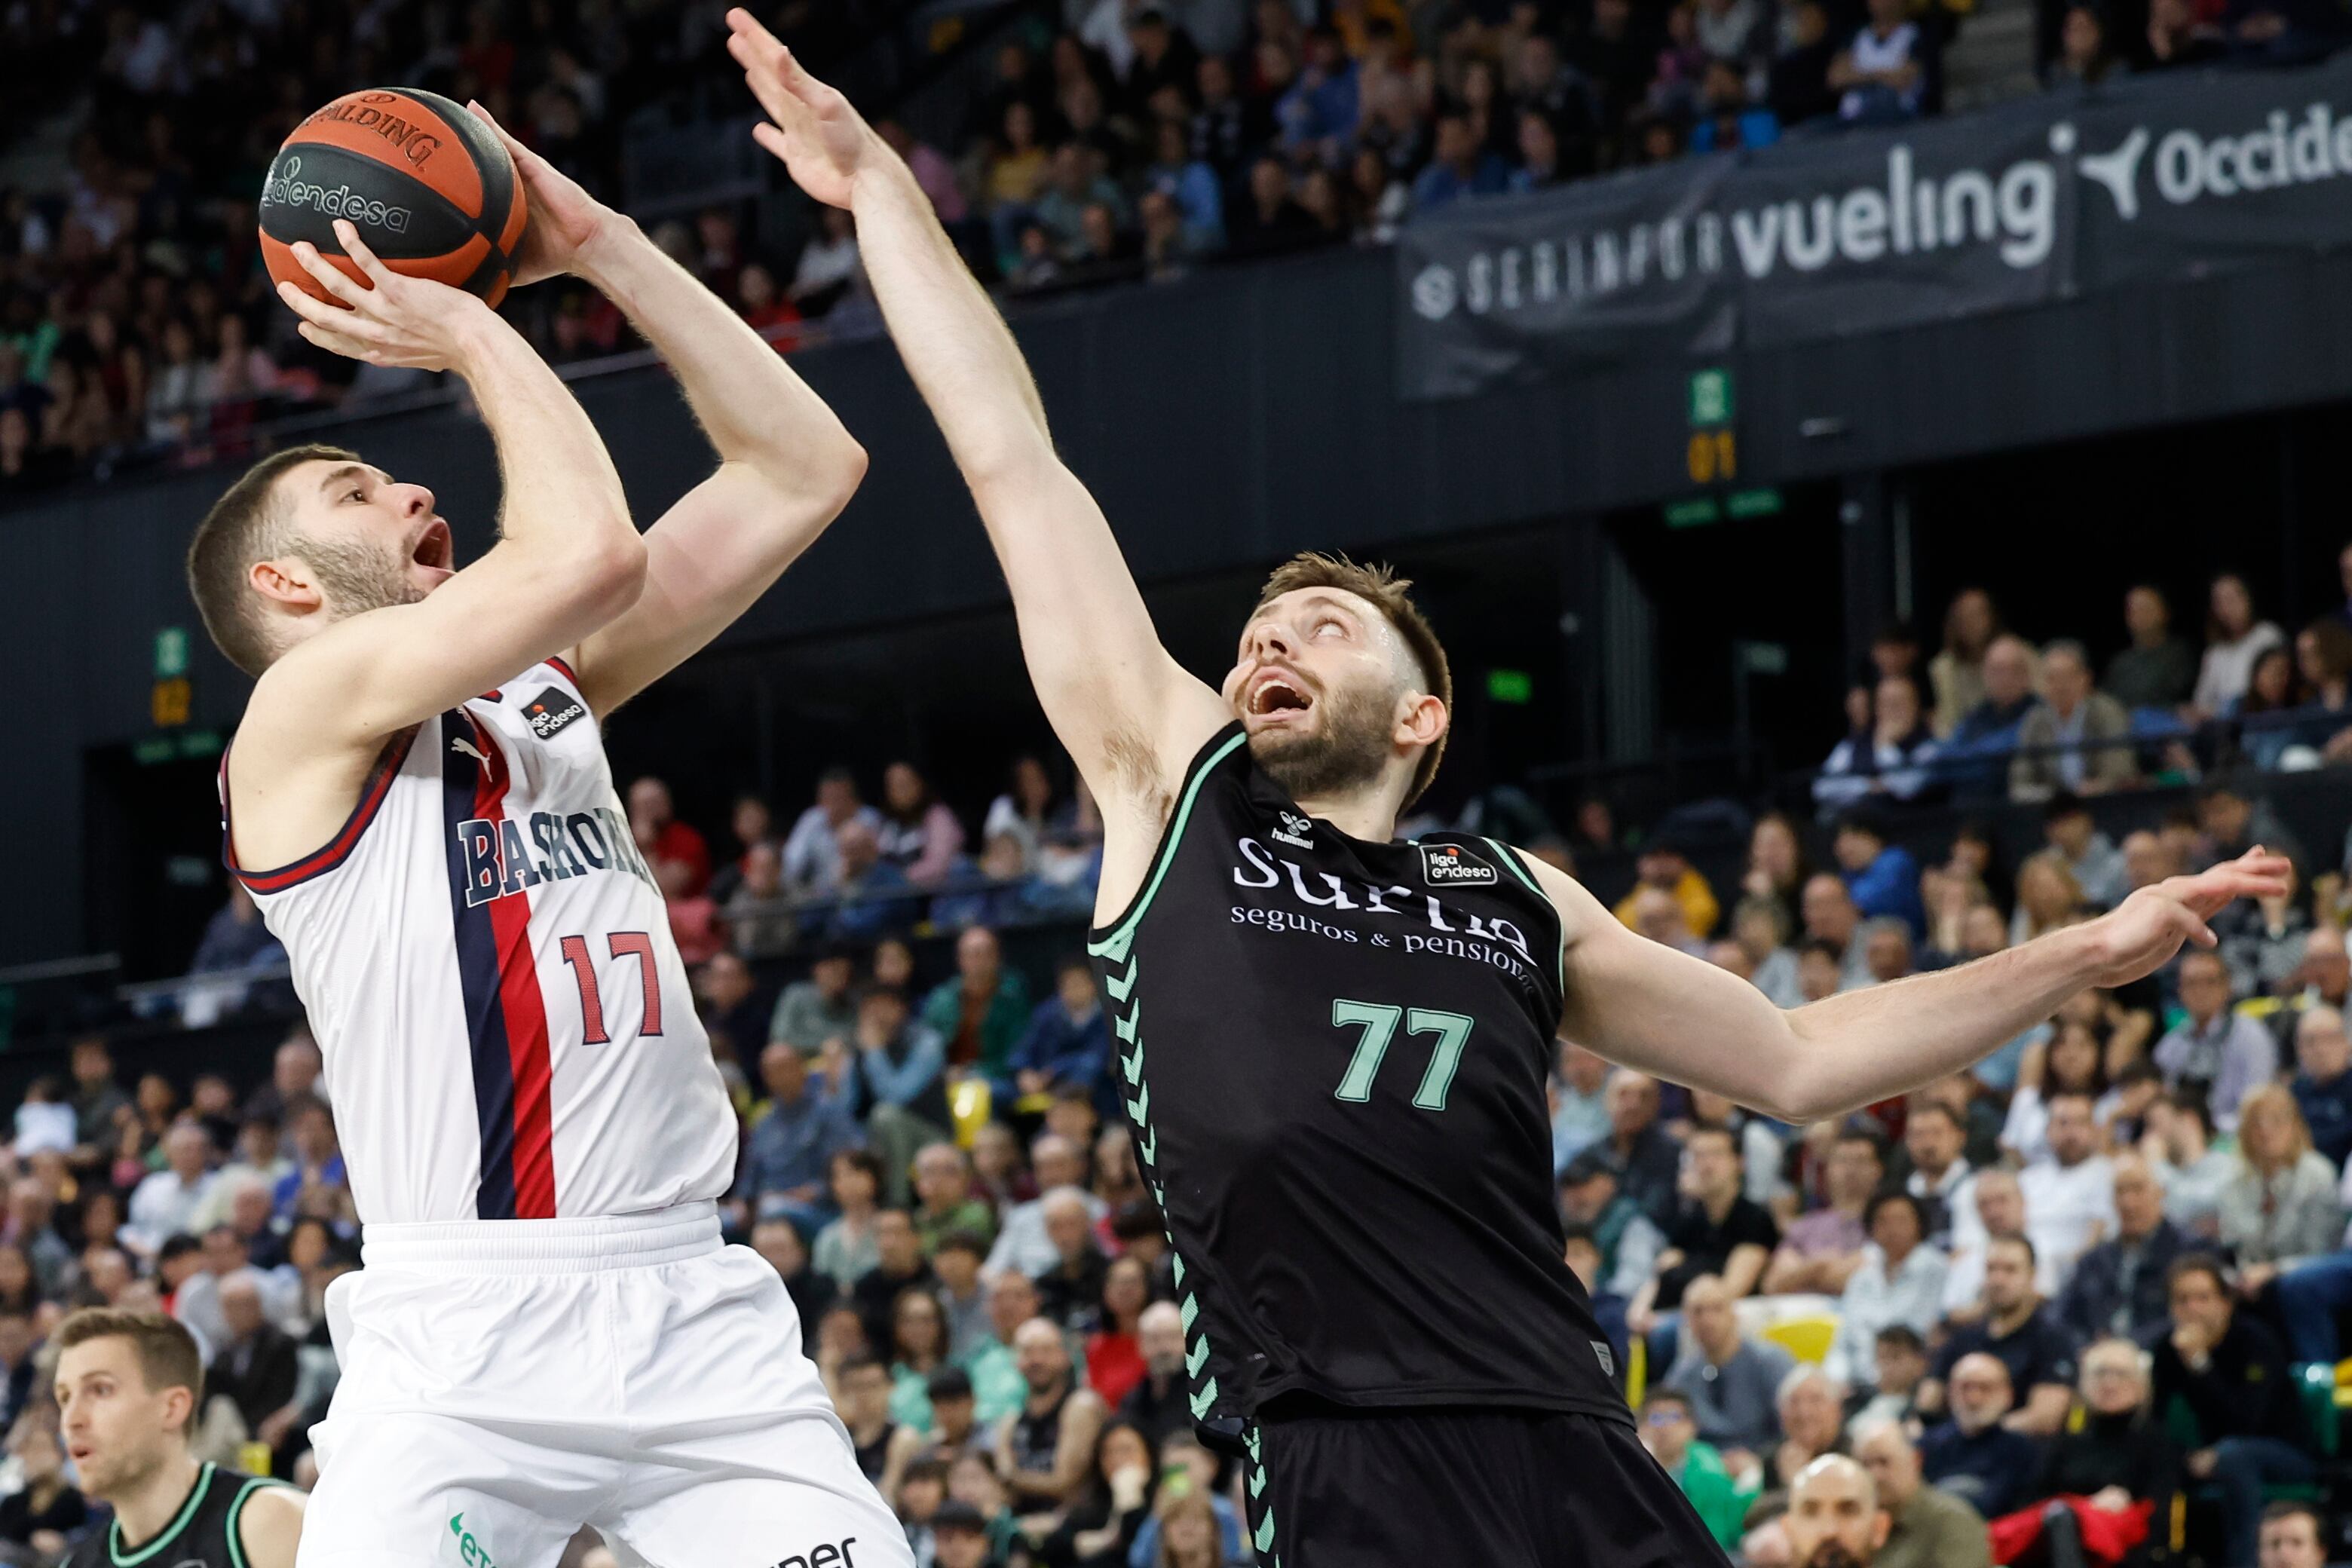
pixel 430 188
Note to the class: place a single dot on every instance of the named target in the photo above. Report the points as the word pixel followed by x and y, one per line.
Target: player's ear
pixel 1421 718
pixel 285 581
pixel 180 1408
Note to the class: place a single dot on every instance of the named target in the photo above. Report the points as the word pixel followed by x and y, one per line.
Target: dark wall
pixel 1223 422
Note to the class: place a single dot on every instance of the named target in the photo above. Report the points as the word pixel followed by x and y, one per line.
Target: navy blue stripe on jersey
pixel 336 850
pixel 464 781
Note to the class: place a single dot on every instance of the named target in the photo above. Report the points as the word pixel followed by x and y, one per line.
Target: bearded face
pixel 1345 748
pixel 358 574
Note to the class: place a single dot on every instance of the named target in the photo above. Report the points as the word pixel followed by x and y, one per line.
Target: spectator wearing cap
pixel 1067 1041
pixel 1665 864
pixel 2233 1374
pixel 1977 755
pixel 2158 669
pixel 2214 1050
pixel 2076 738
pixel 1626 1238
pixel 1883 879
pixel 1888 758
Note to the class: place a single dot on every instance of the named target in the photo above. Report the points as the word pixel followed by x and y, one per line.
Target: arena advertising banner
pixel 1834 234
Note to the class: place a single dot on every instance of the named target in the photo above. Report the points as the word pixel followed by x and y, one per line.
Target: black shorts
pixel 1463 1487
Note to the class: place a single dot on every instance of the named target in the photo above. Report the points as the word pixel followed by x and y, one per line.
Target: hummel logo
pixel 1295 831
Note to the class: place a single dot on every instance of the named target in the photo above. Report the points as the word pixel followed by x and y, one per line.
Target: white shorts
pixel 506 1382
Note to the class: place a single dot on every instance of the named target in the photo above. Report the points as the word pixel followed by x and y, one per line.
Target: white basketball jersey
pixel 487 966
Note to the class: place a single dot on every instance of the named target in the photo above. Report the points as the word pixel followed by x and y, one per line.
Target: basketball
pixel 430 188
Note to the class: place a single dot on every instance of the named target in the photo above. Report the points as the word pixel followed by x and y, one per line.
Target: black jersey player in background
pixel 128 1385
pixel 1334 1046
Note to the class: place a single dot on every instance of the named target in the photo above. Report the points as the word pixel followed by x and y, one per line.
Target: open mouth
pixel 1273 693
pixel 434 547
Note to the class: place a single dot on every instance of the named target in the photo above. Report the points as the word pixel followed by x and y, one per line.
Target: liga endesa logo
pixel 1451 865
pixel 286 187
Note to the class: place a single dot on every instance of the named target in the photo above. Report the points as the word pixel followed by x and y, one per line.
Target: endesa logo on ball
pixel 286 187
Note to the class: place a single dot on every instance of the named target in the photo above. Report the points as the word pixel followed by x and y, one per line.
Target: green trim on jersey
pixel 187 1512
pixel 236 1513
pixel 1263 1538
pixel 1116 947
pixel 1511 857
pixel 1122 936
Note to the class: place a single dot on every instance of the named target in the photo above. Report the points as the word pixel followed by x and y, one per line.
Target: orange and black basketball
pixel 430 188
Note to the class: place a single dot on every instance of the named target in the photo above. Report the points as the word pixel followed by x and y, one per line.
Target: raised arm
pixel 567 560
pixel 1650 1006
pixel 1129 716
pixel 786 466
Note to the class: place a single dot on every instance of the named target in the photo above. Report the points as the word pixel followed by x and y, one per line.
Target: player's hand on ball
pixel 391 320
pixel 565 220
pixel 2147 928
pixel 823 142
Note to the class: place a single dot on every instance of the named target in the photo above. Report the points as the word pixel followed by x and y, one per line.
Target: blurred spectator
pixel 2322 1085
pixel 1664 865
pixel 1067 1041
pixel 1893 1395
pixel 2084 57
pixel 1887 759
pixel 2157 670
pixel 2118 1288
pixel 900 1082
pixel 1899 1281
pixel 1114 1350
pixel 1821 1249
pixel 1023 1243
pixel 846 1249
pixel 898 1267
pixel 918 834
pixel 2018 1328
pixel 1459 166
pixel 812 854
pixel 2234 639
pixel 1625 1239
pixel 2109 1471
pixel 2074 739
pixel 2178 35
pixel 2179 1143
pixel 2233 1375
pixel 1810 1405
pixel 1883 879
pixel 164 1203
pixel 1069 1289
pixel 255 1370
pixel 945 1203
pixel 663 838
pixel 1733 1381
pixel 1935 1141
pixel 1929 1527
pixel 1670 1432
pixel 1976 756
pixel 2282 1204
pixel 1645 1159
pixel 1977 1456
pixel 1046 1449
pixel 790 1147
pixel 2291 1535
pixel 1996 1213
pixel 1831 918
pixel 2069 1186
pixel 819 1008
pixel 979 1014
pixel 1971 624
pixel 2095 863
pixel 2214 1050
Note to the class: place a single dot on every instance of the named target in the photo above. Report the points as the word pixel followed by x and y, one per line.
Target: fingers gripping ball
pixel 430 188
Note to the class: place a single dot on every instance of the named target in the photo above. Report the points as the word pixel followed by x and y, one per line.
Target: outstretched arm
pixel 1649 1006
pixel 1129 716
pixel 786 466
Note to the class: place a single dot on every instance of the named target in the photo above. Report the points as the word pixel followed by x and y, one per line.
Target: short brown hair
pixel 168 1357
pixel 1387 593
pixel 242 527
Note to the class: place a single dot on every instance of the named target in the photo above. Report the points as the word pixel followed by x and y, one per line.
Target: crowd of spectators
pixel 1990 717
pixel 1125 139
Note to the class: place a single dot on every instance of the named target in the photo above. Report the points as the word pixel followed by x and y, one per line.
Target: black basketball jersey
pixel 203 1534
pixel 1335 1054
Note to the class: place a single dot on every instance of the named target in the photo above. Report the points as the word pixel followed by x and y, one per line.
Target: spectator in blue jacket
pixel 1461 167
pixel 900 1085
pixel 788 1158
pixel 2323 1081
pixel 1975 754
pixel 1191 183
pixel 1067 1042
pixel 1882 877
pixel 1319 114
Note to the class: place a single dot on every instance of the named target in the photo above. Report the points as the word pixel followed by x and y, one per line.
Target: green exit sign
pixel 1710 397
pixel 1512 686
pixel 171 653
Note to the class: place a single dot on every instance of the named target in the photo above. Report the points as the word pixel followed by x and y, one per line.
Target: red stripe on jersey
pixel 336 850
pixel 564 670
pixel 526 1012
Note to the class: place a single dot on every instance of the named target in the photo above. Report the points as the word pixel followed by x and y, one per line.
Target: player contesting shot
pixel 548 1333
pixel 127 1387
pixel 1334 1046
